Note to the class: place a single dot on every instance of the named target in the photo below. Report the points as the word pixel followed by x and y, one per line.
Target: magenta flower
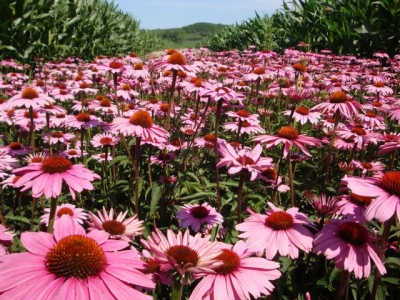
pixel 277 231
pixel 243 159
pixel 77 215
pixel 385 187
pixel 104 139
pixel 183 255
pixel 288 136
pixel 195 216
pixel 350 244
pixel 303 115
pixel 239 277
pixel 118 228
pixel 46 178
pixel 70 262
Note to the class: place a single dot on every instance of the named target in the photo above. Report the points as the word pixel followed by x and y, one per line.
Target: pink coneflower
pixel 77 215
pixel 385 187
pixel 243 159
pixel 104 139
pixel 239 277
pixel 176 61
pixel 118 228
pixel 350 244
pixel 82 120
pixel 339 102
pixel 7 162
pixel 29 97
pixel 324 205
pixel 277 231
pixel 195 216
pixel 6 239
pixel 354 206
pixel 58 137
pixel 244 127
pixel 219 92
pixel 15 149
pixel 303 115
pixel 140 124
pixel 288 136
pixel 183 255
pixel 369 168
pixel 162 158
pixel 46 178
pixel 378 87
pixel 84 266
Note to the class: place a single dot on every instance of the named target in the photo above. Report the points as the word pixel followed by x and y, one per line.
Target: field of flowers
pixel 201 175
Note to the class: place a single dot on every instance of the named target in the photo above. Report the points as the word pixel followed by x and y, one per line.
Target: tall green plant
pixel 54 28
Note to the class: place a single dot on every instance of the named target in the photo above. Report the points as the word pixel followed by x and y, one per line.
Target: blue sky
pixel 154 14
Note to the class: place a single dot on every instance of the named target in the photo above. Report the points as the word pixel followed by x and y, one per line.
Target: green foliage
pixel 257 31
pixel 84 28
pixel 358 27
pixel 190 36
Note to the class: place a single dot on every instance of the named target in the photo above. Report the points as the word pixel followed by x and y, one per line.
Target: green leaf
pixel 156 193
pixel 18 218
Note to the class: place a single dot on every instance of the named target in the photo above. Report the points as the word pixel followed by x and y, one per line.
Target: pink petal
pixel 38 243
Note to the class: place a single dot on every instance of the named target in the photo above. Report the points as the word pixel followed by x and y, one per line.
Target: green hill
pixel 191 36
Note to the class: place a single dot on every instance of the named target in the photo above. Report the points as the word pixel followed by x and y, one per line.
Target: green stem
pixel 137 175
pixel 177 290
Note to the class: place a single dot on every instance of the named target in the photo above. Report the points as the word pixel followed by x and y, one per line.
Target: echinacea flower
pixel 243 159
pixel 117 228
pixel 29 97
pixel 350 244
pixel 339 102
pixel 288 136
pixel 140 124
pixel 240 277
pixel 46 177
pixel 77 215
pixel 195 216
pixel 6 239
pixel 277 231
pixel 72 264
pixel 183 255
pixel 384 188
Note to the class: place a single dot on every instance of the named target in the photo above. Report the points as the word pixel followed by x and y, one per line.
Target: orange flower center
pixel 370 114
pixel 105 102
pixel 288 132
pixel 30 93
pixel 358 131
pixel 141 118
pixel 58 134
pixel 65 211
pixel 125 87
pixel 270 173
pixel 138 66
pixel 338 97
pixel 164 107
pixel 230 262
pixel 379 84
pixel 33 115
pixel 359 200
pixel 37 159
pixel 279 220
pixel 243 113
pixel 353 233
pixel 183 255
pixel 56 164
pixel 15 146
pixel 391 182
pixel 83 85
pixel 210 138
pixel 245 160
pixel 303 110
pixel 76 256
pixel 299 67
pixel 105 140
pixel 367 165
pixel 177 58
pixel 114 227
pixel 115 65
pixel 83 117
pixel 259 71
pixel 199 212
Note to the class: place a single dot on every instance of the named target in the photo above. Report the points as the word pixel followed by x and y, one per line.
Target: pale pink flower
pixel 46 178
pixel 353 206
pixel 58 137
pixel 119 228
pixel 378 87
pixel 140 124
pixel 244 127
pixel 240 277
pixel 288 136
pixel 384 188
pixel 277 231
pixel 195 216
pixel 77 215
pixel 244 159
pixel 71 262
pixel 29 97
pixel 183 255
pixel 339 102
pixel 104 139
pixel 350 244
pixel 303 115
